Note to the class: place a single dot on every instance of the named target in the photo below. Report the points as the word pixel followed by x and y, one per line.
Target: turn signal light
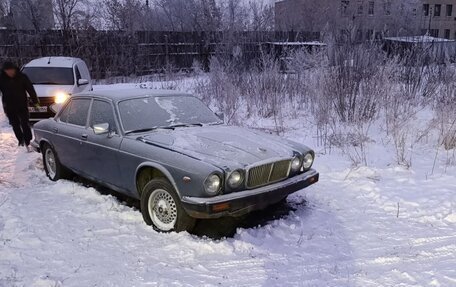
pixel 221 207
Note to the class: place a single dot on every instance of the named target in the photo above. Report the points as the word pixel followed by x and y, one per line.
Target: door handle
pixel 85 136
pixel 55 130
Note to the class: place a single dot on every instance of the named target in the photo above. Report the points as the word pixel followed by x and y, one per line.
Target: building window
pixel 447 33
pixel 387 7
pixel 344 7
pixel 359 35
pixel 437 10
pixel 434 33
pixel 360 8
pixel 449 10
pixel 426 10
pixel 371 8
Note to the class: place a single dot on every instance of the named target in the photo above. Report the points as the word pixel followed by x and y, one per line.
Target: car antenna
pixel 49 61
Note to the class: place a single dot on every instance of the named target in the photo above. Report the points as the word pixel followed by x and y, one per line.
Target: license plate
pixel 38 109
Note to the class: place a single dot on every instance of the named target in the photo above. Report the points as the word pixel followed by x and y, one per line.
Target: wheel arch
pixel 43 142
pixel 150 170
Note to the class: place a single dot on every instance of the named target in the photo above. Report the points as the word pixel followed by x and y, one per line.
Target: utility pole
pixel 430 21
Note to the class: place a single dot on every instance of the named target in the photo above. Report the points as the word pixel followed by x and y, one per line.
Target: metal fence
pixel 118 53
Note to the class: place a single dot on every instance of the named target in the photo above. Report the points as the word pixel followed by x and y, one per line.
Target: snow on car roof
pixel 64 62
pixel 124 94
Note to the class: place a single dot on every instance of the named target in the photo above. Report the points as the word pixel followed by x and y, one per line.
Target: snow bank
pixel 382 225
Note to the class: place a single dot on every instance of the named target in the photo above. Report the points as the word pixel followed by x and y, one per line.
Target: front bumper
pixel 240 203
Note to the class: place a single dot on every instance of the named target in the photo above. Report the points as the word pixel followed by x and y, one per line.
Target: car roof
pixel 125 94
pixel 64 62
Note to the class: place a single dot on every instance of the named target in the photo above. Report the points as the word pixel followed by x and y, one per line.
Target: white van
pixel 55 79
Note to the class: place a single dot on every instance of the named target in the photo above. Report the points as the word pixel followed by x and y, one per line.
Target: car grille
pixel 268 173
pixel 46 101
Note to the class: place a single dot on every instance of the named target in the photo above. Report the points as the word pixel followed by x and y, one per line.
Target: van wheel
pixel 161 208
pixel 52 166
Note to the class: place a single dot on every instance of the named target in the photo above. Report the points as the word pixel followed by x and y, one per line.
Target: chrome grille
pixel 280 170
pixel 46 101
pixel 268 173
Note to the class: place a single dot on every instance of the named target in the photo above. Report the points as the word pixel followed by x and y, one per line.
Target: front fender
pixel 162 169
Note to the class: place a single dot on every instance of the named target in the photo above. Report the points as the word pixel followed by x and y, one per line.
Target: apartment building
pixel 369 19
pixel 438 18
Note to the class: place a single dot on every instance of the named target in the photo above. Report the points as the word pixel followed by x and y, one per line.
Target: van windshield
pixel 50 75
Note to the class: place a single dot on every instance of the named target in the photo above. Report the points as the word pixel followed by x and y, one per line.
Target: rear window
pixel 50 75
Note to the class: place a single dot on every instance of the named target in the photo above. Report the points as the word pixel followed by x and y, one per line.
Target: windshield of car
pixel 148 113
pixel 50 75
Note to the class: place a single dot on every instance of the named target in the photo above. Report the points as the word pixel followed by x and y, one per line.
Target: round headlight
pixel 61 97
pixel 212 184
pixel 235 179
pixel 308 161
pixel 296 164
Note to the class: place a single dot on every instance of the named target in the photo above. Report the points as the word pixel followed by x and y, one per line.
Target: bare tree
pixel 190 15
pixel 31 14
pixel 234 15
pixel 125 15
pixel 262 16
pixel 4 7
pixel 66 12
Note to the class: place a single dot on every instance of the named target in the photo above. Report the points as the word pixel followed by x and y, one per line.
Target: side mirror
pixel 83 82
pixel 220 115
pixel 101 129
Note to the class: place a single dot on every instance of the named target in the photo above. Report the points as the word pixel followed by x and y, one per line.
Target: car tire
pixel 52 166
pixel 161 207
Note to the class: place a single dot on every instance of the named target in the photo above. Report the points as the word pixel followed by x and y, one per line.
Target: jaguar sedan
pixel 171 152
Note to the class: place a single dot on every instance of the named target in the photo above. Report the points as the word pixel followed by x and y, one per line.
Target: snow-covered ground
pixel 382 225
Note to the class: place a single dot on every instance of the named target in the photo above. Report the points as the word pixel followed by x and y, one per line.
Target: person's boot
pixel 20 144
pixel 27 146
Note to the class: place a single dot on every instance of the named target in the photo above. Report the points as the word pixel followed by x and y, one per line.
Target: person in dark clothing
pixel 14 86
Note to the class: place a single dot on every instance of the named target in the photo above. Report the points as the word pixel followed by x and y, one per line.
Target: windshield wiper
pixel 183 126
pixel 172 127
pixel 141 130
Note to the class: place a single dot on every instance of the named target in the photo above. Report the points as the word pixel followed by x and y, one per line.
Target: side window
pixel 77 72
pixel 79 112
pixel 102 113
pixel 64 115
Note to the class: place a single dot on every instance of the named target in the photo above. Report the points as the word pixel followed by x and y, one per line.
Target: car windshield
pixel 164 112
pixel 49 75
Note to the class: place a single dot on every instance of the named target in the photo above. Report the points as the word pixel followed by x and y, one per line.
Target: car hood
pixel 224 146
pixel 51 90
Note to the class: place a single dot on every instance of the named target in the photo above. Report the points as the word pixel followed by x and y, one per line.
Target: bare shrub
pixel 346 89
pixel 445 109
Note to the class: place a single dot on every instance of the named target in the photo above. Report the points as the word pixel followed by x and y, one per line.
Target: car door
pixel 71 133
pixel 101 152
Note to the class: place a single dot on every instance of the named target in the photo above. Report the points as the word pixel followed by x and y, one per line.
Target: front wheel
pixel 52 166
pixel 161 208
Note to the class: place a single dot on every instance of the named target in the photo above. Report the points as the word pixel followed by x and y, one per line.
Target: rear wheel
pixel 161 208
pixel 52 166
